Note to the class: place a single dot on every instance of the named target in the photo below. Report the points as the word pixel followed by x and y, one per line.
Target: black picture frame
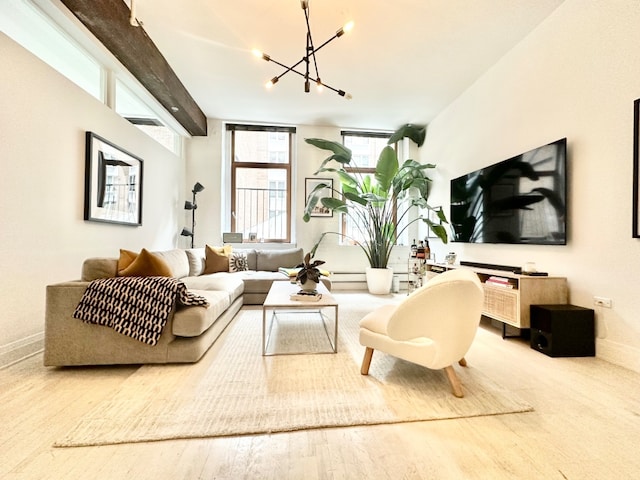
pixel 636 168
pixel 112 184
pixel 309 185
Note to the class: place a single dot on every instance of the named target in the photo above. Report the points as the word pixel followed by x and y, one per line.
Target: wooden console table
pixel 510 305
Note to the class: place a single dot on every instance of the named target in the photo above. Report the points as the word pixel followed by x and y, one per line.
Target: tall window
pixel 365 148
pixel 261 182
pixel 29 25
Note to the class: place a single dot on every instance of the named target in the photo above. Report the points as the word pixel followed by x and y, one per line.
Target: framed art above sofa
pixel 113 183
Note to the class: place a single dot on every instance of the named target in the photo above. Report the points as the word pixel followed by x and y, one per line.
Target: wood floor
pixel 586 425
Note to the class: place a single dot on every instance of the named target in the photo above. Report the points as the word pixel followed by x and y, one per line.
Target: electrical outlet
pixel 602 302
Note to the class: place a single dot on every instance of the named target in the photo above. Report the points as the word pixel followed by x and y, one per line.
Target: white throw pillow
pixel 238 262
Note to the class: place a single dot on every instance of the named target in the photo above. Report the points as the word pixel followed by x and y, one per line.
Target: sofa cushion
pixel 195 256
pixel 146 264
pixel 271 260
pixel 193 321
pixel 260 282
pixel 252 257
pixel 177 261
pixel 222 281
pixel 216 259
pixel 97 267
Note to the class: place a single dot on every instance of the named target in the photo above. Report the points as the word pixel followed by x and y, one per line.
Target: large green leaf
pixel 416 133
pixel 354 197
pixel 340 153
pixel 386 168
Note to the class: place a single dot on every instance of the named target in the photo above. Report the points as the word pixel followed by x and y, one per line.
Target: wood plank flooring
pixel 586 425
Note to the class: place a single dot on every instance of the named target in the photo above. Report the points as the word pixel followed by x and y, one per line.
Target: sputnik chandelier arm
pixel 310 56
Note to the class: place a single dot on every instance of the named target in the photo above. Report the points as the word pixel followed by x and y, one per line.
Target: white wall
pixel 575 76
pixel 43 237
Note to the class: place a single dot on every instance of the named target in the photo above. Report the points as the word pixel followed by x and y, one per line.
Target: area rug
pixel 234 390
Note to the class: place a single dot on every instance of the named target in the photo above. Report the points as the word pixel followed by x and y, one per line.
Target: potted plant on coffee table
pixel 377 203
pixel 308 277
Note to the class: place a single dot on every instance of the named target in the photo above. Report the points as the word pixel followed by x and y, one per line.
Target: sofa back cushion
pixel 250 253
pixel 271 260
pixel 177 261
pixel 99 267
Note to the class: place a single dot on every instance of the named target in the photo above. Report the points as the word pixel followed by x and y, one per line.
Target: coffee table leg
pixel 264 331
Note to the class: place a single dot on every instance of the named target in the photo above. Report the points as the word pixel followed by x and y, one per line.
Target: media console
pixel 508 295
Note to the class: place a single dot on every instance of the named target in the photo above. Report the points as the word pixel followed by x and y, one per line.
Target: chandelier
pixel 308 59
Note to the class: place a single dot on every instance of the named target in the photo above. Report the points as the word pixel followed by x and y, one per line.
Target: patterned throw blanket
pixel 135 306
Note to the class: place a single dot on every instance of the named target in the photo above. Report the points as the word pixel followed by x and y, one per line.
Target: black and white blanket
pixel 135 306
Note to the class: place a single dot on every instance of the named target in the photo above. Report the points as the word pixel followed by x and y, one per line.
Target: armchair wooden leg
pixel 366 361
pixel 456 386
pixel 462 362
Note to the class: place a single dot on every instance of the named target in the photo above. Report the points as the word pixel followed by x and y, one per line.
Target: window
pixel 51 39
pixel 34 31
pixel 261 182
pixel 365 148
pixel 131 107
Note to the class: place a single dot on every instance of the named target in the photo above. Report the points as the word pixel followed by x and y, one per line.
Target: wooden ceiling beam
pixel 108 21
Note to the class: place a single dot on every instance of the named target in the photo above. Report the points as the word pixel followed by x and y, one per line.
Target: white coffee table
pixel 278 300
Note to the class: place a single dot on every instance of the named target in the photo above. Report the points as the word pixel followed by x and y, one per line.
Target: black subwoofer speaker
pixel 563 330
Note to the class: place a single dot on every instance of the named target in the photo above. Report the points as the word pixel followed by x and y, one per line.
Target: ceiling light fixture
pixel 309 57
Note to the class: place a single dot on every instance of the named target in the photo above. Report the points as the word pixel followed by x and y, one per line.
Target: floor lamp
pixel 192 205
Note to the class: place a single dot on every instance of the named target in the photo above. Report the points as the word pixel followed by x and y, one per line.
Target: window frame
pixel 232 128
pixel 346 234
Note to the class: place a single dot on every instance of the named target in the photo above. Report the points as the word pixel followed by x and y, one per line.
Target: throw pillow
pixel 216 259
pixel 146 264
pixel 126 258
pixel 238 262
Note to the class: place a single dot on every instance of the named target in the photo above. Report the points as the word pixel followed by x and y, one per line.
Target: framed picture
pixel 636 168
pixel 112 183
pixel 310 184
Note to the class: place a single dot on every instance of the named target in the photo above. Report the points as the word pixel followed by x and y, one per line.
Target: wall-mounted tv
pixel 519 200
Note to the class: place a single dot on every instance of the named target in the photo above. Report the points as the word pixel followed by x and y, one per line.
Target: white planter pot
pixel 308 286
pixel 379 280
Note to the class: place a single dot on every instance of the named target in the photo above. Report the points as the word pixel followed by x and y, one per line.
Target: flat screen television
pixel 519 200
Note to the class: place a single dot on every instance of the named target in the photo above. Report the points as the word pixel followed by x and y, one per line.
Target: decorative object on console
pixel 192 205
pixel 112 184
pixel 310 56
pixel 377 202
pixel 450 258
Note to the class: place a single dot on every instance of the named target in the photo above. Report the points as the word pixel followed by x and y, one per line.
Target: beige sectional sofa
pixel 190 330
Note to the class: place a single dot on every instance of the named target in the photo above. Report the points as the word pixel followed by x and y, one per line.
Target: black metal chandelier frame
pixel 308 58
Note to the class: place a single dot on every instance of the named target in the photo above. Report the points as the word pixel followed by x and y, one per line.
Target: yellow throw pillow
pixel 126 258
pixel 216 259
pixel 146 264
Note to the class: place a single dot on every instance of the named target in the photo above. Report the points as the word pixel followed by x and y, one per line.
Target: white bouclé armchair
pixel 433 327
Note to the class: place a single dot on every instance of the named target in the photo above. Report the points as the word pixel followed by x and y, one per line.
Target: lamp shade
pixel 186 232
pixel 198 187
pixel 190 205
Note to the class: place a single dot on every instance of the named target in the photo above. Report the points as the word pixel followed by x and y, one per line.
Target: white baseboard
pixel 624 355
pixel 21 349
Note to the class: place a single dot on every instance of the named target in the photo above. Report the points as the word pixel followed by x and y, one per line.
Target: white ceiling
pixel 404 61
